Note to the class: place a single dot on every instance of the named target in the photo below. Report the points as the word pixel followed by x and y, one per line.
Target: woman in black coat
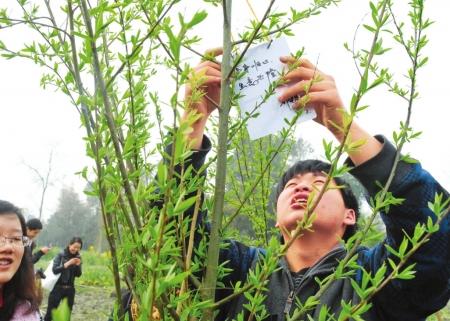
pixel 68 264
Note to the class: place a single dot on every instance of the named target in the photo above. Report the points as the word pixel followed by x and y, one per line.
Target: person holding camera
pixel 34 228
pixel 68 264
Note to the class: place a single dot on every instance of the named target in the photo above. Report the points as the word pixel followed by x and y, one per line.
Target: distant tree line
pixel 74 217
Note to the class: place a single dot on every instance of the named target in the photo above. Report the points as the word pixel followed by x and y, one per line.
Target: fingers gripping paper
pixel 261 67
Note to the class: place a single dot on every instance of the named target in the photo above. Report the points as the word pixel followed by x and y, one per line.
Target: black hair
pixel 34 224
pixel 318 166
pixel 76 239
pixel 21 287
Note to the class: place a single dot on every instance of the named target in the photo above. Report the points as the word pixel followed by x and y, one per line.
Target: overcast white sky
pixel 35 122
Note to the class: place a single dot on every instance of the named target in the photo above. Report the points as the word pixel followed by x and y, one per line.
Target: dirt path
pixel 91 303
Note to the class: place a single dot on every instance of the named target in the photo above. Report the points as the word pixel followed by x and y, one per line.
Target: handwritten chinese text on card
pixel 261 66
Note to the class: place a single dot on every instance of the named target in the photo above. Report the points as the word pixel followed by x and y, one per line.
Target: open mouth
pixel 299 201
pixel 5 262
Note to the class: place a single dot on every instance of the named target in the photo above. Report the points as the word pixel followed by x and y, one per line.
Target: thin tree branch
pixel 209 284
pixel 109 118
pixel 250 41
pixel 140 44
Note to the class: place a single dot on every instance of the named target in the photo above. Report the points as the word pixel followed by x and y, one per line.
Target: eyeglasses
pixel 17 241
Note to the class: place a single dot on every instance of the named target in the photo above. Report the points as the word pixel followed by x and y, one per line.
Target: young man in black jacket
pixel 34 228
pixel 316 253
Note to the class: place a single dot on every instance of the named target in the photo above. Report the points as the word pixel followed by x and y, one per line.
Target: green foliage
pixel 106 56
pixel 62 312
pixel 96 269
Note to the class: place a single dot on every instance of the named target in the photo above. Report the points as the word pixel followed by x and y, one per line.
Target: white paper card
pixel 262 66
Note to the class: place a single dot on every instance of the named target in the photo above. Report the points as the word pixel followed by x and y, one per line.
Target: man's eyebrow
pixel 321 174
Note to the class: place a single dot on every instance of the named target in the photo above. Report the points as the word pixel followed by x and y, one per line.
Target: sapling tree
pixel 44 181
pixel 122 66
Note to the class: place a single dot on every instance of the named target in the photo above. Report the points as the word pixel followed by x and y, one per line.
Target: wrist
pixel 369 149
pixel 194 117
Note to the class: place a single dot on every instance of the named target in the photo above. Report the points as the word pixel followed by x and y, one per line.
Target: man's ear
pixel 349 216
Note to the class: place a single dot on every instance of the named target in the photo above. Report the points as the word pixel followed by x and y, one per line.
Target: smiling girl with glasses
pixel 18 295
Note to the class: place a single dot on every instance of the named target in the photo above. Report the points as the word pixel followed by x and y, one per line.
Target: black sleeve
pixel 37 256
pixel 58 265
pixel 125 302
pixel 429 290
pixel 77 270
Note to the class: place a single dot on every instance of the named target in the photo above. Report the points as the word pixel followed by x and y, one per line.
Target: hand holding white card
pixel 262 67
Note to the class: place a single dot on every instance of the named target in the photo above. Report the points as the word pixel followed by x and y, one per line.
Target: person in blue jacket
pixel 316 253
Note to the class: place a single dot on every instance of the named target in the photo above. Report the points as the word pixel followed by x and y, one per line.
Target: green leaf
pixel 363 84
pixel 379 275
pixel 377 82
pixel 374 12
pixel 422 62
pixel 391 250
pixel 392 263
pixel 162 173
pixel 62 312
pixel 180 144
pixel 407 159
pixel 184 205
pixel 81 35
pixel 353 101
pixel 357 288
pixel 403 247
pixel 407 274
pixel 371 29
pixel 323 313
pixel 174 43
pixel 197 18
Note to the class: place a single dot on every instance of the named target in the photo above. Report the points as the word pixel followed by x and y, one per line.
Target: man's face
pixel 32 234
pixel 332 217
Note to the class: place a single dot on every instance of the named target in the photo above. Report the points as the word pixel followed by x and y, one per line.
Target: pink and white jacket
pixel 21 313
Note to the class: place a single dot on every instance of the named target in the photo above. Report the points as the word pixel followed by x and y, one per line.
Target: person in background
pixel 18 297
pixel 34 227
pixel 68 264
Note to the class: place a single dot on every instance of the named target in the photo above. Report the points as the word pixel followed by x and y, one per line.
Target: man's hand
pixel 45 249
pixel 321 92
pixel 202 95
